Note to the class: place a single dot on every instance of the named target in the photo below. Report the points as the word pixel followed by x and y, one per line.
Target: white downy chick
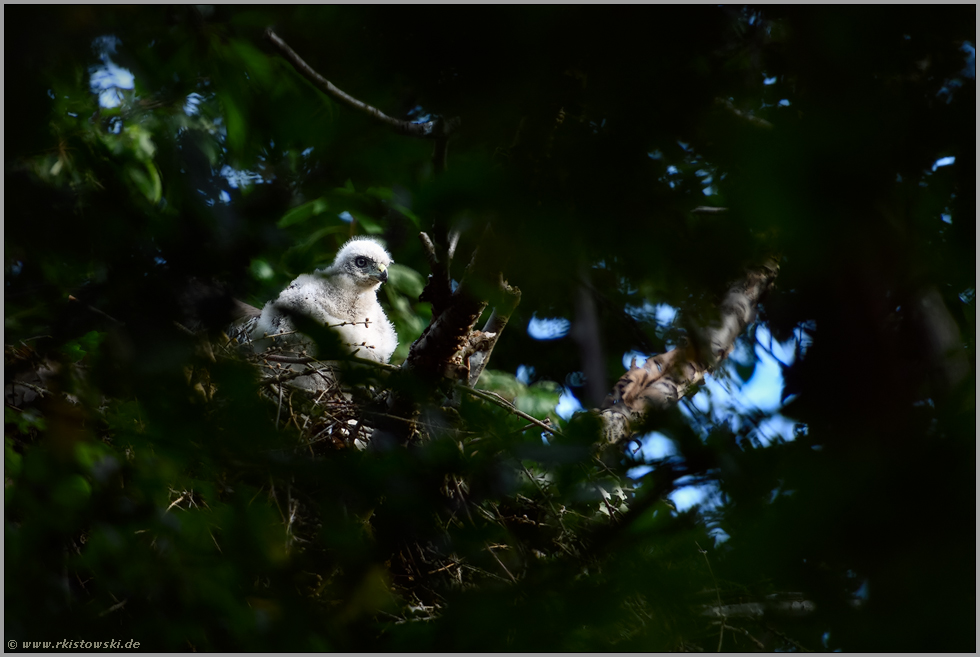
pixel 342 297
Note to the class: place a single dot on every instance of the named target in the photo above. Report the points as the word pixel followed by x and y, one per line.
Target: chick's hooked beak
pixel 382 273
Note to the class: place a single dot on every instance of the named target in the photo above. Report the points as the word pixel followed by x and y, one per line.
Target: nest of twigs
pixel 331 416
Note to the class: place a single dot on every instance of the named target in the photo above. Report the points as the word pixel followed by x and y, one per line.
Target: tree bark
pixel 664 379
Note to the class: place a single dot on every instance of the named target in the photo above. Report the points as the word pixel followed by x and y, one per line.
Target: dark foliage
pixel 157 490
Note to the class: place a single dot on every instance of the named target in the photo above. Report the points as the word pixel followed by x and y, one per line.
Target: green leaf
pixel 25 420
pixel 147 180
pixel 11 459
pixel 503 383
pixel 406 280
pixel 383 193
pixel 74 352
pixel 317 236
pixel 254 60
pixel 237 129
pixel 539 400
pixel 411 216
pixel 262 270
pixel 77 349
pixel 371 227
pixel 72 492
pixel 303 212
pixel 89 453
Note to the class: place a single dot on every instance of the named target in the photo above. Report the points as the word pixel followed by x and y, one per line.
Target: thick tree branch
pixel 450 347
pixel 435 351
pixel 939 336
pixel 437 129
pixel 665 378
pixel 585 331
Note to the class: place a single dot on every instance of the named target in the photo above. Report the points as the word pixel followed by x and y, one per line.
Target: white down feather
pixel 343 297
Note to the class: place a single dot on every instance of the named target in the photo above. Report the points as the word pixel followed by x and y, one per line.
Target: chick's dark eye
pixel 361 261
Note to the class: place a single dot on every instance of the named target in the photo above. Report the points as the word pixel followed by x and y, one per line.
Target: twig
pixel 603 466
pixel 115 607
pixel 215 541
pixel 446 567
pixel 36 337
pixel 292 413
pixel 293 507
pixel 545 496
pixel 297 360
pixel 97 311
pixel 288 375
pixel 721 633
pixel 742 630
pixel 466 508
pixel 279 410
pixel 275 498
pixel 610 509
pixel 748 117
pixel 503 403
pixel 373 363
pixel 183 329
pixel 437 129
pixel 398 619
pixel 785 638
pixel 177 501
pixel 38 389
pixel 462 499
pixel 512 578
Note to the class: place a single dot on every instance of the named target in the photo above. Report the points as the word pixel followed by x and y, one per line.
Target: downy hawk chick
pixel 342 297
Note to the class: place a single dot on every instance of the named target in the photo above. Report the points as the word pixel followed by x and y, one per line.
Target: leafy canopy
pixel 169 502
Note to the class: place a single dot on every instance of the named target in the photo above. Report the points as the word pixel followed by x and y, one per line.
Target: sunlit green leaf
pixel 262 270
pixel 538 400
pixel 503 383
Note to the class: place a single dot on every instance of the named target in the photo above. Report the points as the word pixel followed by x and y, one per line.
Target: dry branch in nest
pixel 309 395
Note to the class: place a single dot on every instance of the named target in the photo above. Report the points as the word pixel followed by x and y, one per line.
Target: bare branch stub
pixel 708 209
pixel 437 290
pixel 438 129
pixel 585 332
pixel 511 297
